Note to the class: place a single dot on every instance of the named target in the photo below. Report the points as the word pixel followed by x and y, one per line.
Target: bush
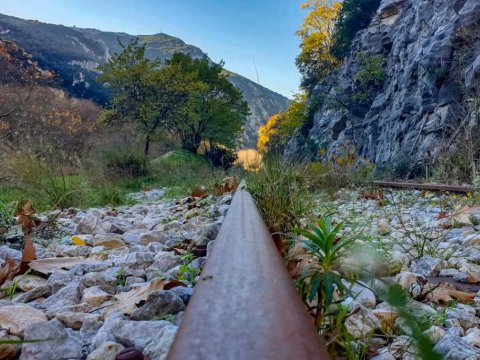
pixel 338 170
pixel 123 161
pixel 355 15
pixel 47 186
pixel 181 171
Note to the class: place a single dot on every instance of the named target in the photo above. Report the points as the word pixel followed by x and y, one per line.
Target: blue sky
pixel 233 30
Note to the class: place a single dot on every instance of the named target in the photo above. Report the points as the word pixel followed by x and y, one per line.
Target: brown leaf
pixel 446 293
pixel 24 217
pixel 127 302
pixel 28 254
pixel 8 270
pixel 199 193
pixel 50 265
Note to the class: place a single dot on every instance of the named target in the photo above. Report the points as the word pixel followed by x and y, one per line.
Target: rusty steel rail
pixel 430 187
pixel 244 305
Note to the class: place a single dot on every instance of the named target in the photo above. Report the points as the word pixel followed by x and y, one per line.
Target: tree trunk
pixel 147 145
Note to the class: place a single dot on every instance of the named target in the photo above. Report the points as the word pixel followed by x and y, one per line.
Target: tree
pixel 354 16
pixel 279 128
pixel 190 98
pixel 316 61
pixel 214 112
pixel 144 93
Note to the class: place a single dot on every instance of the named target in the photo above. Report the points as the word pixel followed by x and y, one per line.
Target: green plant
pixel 322 276
pixel 123 161
pixel 11 288
pixel 279 189
pixel 121 277
pixel 186 272
pixel 355 15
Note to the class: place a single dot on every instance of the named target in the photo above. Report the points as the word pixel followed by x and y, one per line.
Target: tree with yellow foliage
pixel 280 127
pixel 317 35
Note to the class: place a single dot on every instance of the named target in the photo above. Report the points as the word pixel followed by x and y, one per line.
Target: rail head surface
pixel 245 305
pixel 430 187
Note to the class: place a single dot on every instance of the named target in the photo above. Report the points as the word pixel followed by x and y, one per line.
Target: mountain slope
pixel 75 53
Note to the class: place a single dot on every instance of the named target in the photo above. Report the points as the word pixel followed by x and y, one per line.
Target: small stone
pixel 64 298
pixel 211 231
pixel 133 280
pixel 95 297
pixel 427 266
pixel 152 236
pixel 157 349
pixel 58 280
pixel 90 224
pixel 31 295
pixel 465 319
pixel 98 279
pixel 435 333
pixel 107 351
pixel 129 333
pixel 29 282
pixel 383 228
pixel 164 261
pixel 473 337
pixel 406 280
pixel 75 320
pixel 361 322
pixel 454 347
pixel 16 318
pixel 384 355
pixel 158 304
pixel 108 241
pixel 62 344
pixel 8 351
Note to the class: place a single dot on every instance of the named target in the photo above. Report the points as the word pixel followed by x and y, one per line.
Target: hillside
pixel 74 54
pixel 431 61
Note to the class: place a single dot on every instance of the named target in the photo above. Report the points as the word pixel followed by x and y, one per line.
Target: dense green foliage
pixel 354 16
pixel 214 111
pixel 190 99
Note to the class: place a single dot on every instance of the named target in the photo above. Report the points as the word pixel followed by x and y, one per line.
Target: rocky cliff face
pixel 75 53
pixel 431 52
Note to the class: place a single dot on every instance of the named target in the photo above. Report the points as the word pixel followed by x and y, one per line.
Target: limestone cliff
pixel 431 52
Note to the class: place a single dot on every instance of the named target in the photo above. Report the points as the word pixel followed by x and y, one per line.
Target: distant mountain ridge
pixel 75 53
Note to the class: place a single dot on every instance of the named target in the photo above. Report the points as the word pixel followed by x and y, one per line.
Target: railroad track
pixel 245 306
pixel 430 187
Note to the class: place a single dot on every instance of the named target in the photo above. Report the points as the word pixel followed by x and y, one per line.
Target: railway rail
pixel 245 305
pixel 428 186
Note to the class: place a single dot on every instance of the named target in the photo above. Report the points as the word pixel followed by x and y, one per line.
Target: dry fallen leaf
pixel 60 264
pixel 127 302
pixel 446 293
pixel 8 270
pixel 28 254
pixel 462 216
pixel 199 193
pixel 24 217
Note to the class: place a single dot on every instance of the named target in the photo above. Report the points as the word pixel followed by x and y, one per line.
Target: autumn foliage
pixel 275 133
pixel 317 34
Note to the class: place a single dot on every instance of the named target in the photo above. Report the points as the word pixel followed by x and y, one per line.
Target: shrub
pixel 47 186
pixel 340 169
pixel 123 161
pixel 181 171
pixel 354 16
